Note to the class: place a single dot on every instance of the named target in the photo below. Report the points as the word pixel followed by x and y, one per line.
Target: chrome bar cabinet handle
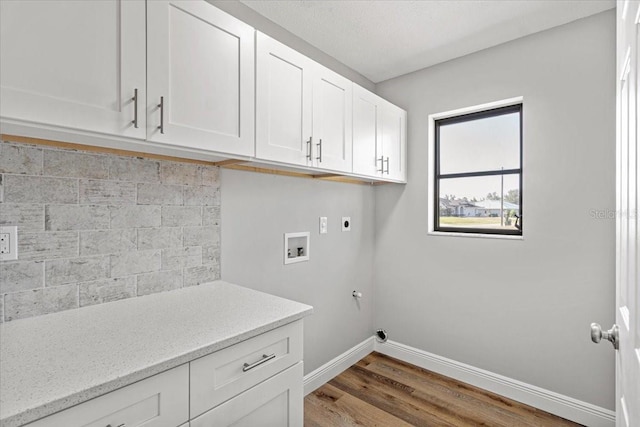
pixel 387 165
pixel 161 107
pixel 319 151
pixel 135 108
pixel 265 358
pixel 309 148
pixel 381 164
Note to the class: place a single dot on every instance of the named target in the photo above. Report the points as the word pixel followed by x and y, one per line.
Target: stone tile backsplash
pixel 95 228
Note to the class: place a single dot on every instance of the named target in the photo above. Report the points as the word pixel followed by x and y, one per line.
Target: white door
pixel 200 77
pixel 367 132
pixel 283 103
pixel 83 74
pixel 394 142
pixel 332 131
pixel 627 277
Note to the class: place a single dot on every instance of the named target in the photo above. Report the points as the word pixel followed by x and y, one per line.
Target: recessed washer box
pixel 296 247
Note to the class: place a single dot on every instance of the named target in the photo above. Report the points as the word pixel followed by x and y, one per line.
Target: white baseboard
pixel 336 366
pixel 549 401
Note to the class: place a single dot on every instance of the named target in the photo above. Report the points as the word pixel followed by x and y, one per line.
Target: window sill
pixel 475 235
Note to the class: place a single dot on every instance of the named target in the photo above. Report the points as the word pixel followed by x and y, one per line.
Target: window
pixel 478 172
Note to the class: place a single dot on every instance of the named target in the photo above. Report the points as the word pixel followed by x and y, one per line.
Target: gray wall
pixel 517 308
pixel 257 210
pixel 94 228
pixel 268 27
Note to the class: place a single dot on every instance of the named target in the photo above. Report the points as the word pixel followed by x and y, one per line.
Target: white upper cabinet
pixel 394 142
pixel 74 64
pixel 303 110
pixel 379 137
pixel 332 133
pixel 284 83
pixel 367 132
pixel 200 77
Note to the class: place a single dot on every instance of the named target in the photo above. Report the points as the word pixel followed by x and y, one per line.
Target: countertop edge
pixel 50 408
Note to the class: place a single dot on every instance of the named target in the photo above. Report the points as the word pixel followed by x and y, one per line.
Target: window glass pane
pixel 490 202
pixel 480 145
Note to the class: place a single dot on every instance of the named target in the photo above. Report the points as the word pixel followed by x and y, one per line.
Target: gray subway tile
pixel 37 302
pixel 201 196
pixel 201 236
pixel 48 245
pixel 159 194
pixel 134 169
pixel 18 276
pixel 159 282
pixel 197 275
pixel 37 189
pixel 107 241
pixel 134 216
pixel 180 173
pixel 210 175
pixel 181 216
pixel 106 290
pixel 100 192
pixel 61 271
pixel 181 257
pixel 159 238
pixel 128 263
pixel 211 215
pixel 20 159
pixel 28 217
pixel 76 217
pixel 74 164
pixel 211 255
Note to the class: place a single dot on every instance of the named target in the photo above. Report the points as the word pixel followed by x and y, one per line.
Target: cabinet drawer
pixel 277 402
pixel 220 376
pixel 158 401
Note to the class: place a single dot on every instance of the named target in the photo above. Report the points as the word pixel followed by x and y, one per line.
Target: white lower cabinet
pixel 276 402
pixel 256 382
pixel 158 401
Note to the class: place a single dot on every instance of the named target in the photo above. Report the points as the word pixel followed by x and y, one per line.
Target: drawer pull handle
pixel 265 358
pixel 120 425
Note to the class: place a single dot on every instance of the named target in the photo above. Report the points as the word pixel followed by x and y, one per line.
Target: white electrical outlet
pixel 346 223
pixel 323 225
pixel 8 243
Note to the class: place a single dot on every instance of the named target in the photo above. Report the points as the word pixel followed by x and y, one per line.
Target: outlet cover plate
pixel 8 243
pixel 346 223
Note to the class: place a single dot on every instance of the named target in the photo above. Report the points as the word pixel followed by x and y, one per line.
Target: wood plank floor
pixel 382 391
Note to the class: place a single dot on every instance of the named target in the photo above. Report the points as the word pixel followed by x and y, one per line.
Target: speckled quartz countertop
pixel 53 362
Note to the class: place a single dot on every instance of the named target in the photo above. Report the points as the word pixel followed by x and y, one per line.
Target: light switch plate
pixel 323 225
pixel 8 243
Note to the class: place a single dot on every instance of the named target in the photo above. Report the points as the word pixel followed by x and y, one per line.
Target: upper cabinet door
pixel 200 77
pixel 394 142
pixel 74 64
pixel 283 103
pixel 332 132
pixel 367 132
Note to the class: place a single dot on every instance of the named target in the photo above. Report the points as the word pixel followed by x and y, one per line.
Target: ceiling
pixel 382 39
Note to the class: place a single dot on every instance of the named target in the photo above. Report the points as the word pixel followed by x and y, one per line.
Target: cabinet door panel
pixel 158 401
pixel 394 142
pixel 367 138
pixel 74 64
pixel 201 63
pixel 283 103
pixel 276 402
pixel 332 114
